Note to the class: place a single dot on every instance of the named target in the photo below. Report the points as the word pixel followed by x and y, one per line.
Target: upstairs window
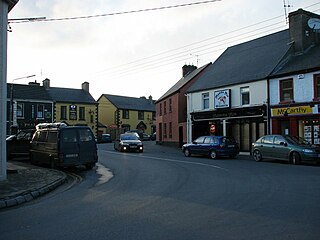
pixel 165 107
pixel 125 114
pixel 40 111
pixel 160 109
pixel 170 105
pixel 140 115
pixel 20 110
pixel 317 86
pixel 205 101
pixel 286 90
pixel 63 110
pixel 81 113
pixel 245 95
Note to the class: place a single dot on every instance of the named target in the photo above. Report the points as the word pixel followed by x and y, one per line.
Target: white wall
pixel 258 96
pixel 303 89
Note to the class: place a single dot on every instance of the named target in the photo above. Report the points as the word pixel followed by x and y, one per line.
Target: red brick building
pixel 171 109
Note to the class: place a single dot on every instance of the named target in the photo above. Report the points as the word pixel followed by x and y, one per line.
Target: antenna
pixel 287 7
pixel 197 56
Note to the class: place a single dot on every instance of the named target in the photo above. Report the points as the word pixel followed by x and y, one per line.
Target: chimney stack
pixel 46 83
pixel 186 69
pixel 301 33
pixel 85 86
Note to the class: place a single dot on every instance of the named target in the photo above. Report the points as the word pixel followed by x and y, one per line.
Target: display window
pixel 309 129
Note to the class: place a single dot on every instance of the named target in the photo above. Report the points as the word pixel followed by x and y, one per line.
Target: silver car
pixel 288 148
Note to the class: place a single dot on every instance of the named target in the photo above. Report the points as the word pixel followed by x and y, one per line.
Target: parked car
pixel 288 148
pixel 139 133
pixel 153 136
pixel 105 138
pixel 64 146
pixel 145 137
pixel 128 142
pixel 19 145
pixel 213 146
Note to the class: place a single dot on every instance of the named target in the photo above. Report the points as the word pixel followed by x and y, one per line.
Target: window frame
pixel 316 86
pixel 245 91
pixel 40 116
pixel 82 113
pixel 22 110
pixel 281 90
pixel 125 114
pixel 140 115
pixel 205 100
pixel 63 113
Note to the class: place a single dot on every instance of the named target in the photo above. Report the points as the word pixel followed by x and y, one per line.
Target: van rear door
pixel 87 146
pixel 69 146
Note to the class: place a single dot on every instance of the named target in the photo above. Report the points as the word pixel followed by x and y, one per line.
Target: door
pixel 87 146
pixel 280 148
pixel 180 136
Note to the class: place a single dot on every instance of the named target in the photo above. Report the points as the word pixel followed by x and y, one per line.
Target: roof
pixel 305 62
pixel 247 62
pixel 11 4
pixel 23 91
pixel 183 81
pixel 70 95
pixel 131 103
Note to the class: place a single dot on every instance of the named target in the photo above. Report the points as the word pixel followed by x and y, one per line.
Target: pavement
pixel 26 182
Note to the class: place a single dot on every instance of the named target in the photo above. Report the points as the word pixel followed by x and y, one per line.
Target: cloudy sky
pixel 133 53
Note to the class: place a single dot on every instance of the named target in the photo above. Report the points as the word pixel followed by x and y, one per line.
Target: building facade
pixel 171 109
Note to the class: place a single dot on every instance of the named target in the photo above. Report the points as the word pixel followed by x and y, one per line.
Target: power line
pixel 120 13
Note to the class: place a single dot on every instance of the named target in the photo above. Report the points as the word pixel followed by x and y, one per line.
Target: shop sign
pixel 222 99
pixel 73 112
pixel 212 128
pixel 292 111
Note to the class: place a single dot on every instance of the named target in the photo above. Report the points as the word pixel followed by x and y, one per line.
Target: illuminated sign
pixel 222 99
pixel 292 111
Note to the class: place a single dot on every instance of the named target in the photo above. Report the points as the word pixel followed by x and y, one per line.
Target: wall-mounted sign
pixel 73 112
pixel 292 111
pixel 222 99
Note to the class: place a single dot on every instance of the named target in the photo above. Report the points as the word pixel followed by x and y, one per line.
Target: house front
pixel 295 83
pixel 171 109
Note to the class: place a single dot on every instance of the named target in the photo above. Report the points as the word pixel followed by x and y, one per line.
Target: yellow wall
pixel 106 112
pixel 90 109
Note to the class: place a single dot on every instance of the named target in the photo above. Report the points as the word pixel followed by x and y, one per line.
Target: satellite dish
pixel 314 23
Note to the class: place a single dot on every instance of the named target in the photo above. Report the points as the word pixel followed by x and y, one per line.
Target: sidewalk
pixel 26 182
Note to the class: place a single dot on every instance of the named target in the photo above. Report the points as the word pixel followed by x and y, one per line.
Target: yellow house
pixel 74 106
pixel 126 113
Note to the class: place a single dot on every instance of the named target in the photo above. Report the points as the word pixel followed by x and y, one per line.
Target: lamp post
pixel 11 99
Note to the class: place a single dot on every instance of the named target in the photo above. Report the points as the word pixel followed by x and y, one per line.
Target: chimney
pixel 85 86
pixel 303 35
pixel 46 83
pixel 186 69
pixel 34 83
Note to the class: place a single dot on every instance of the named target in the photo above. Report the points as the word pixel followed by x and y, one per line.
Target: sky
pixel 132 53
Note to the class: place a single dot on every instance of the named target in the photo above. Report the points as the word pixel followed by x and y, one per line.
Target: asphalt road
pixel 160 194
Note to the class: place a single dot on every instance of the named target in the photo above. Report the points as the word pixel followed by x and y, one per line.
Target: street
pixel 161 194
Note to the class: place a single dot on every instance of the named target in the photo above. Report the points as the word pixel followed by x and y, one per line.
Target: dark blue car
pixel 213 146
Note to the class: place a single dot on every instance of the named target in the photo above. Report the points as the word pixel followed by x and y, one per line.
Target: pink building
pixel 171 109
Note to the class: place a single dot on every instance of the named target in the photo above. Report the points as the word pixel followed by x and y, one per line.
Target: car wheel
pixel 295 158
pixel 187 152
pixel 213 155
pixel 257 155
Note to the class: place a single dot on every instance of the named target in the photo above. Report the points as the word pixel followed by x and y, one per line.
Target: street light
pixel 11 100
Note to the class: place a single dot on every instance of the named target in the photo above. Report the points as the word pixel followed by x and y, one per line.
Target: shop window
pixel 63 110
pixel 317 86
pixel 20 110
pixel 140 115
pixel 205 101
pixel 286 90
pixel 245 95
pixel 40 111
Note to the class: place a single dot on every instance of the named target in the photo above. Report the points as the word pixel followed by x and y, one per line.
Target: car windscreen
pixel 228 140
pixel 296 140
pixel 129 137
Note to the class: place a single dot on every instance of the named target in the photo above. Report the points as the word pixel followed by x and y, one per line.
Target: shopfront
pixel 245 124
pixel 299 120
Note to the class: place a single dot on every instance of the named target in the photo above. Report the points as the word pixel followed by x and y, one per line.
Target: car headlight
pixel 308 150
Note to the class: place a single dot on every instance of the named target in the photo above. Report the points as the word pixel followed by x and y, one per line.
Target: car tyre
pixel 187 152
pixel 213 154
pixel 295 158
pixel 257 155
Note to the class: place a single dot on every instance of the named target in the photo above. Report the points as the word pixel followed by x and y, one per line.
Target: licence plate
pixel 230 146
pixel 133 146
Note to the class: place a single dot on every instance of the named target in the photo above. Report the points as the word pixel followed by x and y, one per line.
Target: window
pixel 208 140
pixel 52 137
pixel 286 90
pixel 205 100
pixel 40 111
pixel 125 114
pixel 85 135
pixel 153 116
pixel 317 86
pixel 245 95
pixel 170 129
pixel 140 115
pixel 20 110
pixel 267 139
pixel 278 140
pixel 199 140
pixel 160 109
pixel 170 105
pixel 81 113
pixel 165 107
pixel 63 110
pixel 165 130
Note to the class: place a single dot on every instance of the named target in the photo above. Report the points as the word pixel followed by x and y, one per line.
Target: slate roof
pixel 300 63
pixel 131 103
pixel 247 62
pixel 70 95
pixel 183 81
pixel 30 92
